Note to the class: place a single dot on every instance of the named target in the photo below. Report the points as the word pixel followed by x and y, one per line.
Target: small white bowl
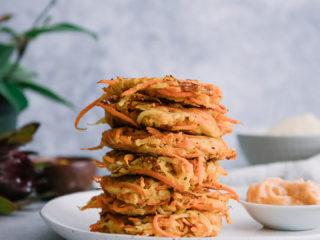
pixel 260 148
pixel 286 218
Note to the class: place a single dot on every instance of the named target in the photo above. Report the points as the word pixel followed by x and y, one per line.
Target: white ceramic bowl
pixel 260 148
pixel 288 218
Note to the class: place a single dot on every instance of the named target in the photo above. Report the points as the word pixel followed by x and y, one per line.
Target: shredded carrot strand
pixel 185 127
pixel 95 227
pixel 108 81
pixel 134 187
pixel 83 112
pixel 220 186
pixel 139 87
pixel 160 177
pixel 214 233
pixel 184 162
pixel 162 187
pixel 119 131
pixel 227 119
pixel 223 171
pixel 198 101
pixel 153 131
pixel 142 182
pixel 174 94
pixel 99 164
pixel 158 229
pixel 181 224
pixel 160 203
pixel 186 222
pixel 192 155
pixel 108 159
pixel 120 209
pixel 117 114
pixel 93 148
pixel 133 219
pixel 224 128
pixel 221 108
pixel 97 179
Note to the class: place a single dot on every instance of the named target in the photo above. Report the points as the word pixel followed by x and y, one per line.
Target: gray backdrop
pixel 263 54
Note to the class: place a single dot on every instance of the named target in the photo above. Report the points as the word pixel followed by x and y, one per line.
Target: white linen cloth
pixel 292 170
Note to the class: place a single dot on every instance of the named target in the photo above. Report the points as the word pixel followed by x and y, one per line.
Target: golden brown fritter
pixel 208 201
pixel 190 223
pixel 109 204
pixel 188 92
pixel 179 173
pixel 136 190
pixel 172 171
pixel 138 196
pixel 156 143
pixel 169 117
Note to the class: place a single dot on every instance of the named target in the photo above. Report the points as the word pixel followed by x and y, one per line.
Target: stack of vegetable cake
pixel 166 136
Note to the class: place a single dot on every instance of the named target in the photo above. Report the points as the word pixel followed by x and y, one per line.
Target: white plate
pixel 64 217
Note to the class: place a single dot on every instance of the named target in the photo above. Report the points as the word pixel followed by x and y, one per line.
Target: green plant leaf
pixel 62 27
pixel 14 95
pixel 23 78
pixel 9 31
pixel 24 134
pixel 28 84
pixel 20 136
pixel 22 74
pixel 6 206
pixel 5 53
pixel 4 69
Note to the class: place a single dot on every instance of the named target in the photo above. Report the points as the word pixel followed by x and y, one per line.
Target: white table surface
pixel 26 224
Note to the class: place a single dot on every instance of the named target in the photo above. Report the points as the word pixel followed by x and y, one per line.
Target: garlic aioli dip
pixel 304 125
pixel 275 191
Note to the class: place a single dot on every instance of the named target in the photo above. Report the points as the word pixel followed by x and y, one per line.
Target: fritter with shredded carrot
pixel 213 201
pixel 177 172
pixel 172 117
pixel 189 223
pixel 189 92
pixel 136 190
pixel 170 144
pixel 144 191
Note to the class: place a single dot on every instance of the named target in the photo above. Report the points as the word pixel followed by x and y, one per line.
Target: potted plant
pixel 14 78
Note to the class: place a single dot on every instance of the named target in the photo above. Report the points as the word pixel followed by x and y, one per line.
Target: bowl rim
pixel 276 207
pixel 259 135
pixel 261 131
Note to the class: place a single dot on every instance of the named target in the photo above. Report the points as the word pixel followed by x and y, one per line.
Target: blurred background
pixel 264 55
